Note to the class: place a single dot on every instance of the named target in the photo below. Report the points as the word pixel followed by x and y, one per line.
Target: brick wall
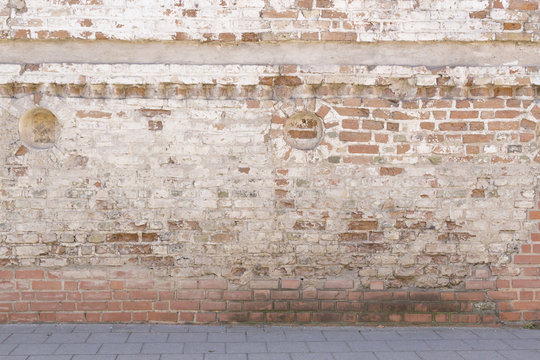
pixel 136 295
pixel 164 192
pixel 258 20
pixel 518 296
pixel 171 195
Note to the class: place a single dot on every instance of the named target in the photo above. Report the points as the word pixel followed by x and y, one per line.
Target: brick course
pixel 365 306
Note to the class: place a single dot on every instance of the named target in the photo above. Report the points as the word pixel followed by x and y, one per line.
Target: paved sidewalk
pixel 180 342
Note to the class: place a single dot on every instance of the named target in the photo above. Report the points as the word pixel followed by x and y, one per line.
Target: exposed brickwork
pixel 191 193
pixel 417 206
pixel 137 295
pixel 518 294
pixel 258 20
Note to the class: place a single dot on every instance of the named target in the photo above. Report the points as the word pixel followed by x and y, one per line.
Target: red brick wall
pixel 135 295
pixel 518 286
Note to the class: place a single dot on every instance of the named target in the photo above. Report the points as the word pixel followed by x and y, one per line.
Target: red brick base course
pixel 131 295
pixel 518 295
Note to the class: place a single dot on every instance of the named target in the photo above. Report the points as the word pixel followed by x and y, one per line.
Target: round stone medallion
pixel 39 128
pixel 304 130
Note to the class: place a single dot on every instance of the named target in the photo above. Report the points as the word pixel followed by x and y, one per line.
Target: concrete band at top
pixel 302 53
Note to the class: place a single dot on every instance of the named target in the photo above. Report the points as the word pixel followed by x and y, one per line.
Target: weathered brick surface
pixel 258 20
pixel 422 213
pixel 111 305
pixel 518 293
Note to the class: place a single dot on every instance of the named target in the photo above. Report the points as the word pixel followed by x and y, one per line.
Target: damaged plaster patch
pixel 278 5
pixel 39 128
pixel 16 7
pixel 304 131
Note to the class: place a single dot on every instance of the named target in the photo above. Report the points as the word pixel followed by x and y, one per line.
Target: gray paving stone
pixel 241 328
pixel 54 328
pixel 5 349
pixel 484 344
pixel 312 356
pixel 355 356
pixel 147 338
pixel 263 336
pixel 246 347
pixel 493 333
pixel 182 357
pixel 270 329
pixel 227 337
pixel 304 335
pixel 383 335
pixel 440 345
pixel 162 348
pixel 328 346
pixel 341 328
pixel 208 328
pixel 419 334
pixel 225 357
pixel 398 355
pixel 26 339
pixel 93 328
pixel 108 338
pixel 131 328
pixel 287 347
pixel 369 345
pixel 481 355
pixel 34 349
pixel 203 348
pixel 408 345
pixel 525 333
pixel 461 334
pixel 71 338
pixel 169 328
pixel 187 342
pixel 188 337
pixel 275 356
pixel 524 344
pixel 74 349
pixel 351 335
pixel 520 354
pixel 120 349
pixel 439 355
pixel 17 328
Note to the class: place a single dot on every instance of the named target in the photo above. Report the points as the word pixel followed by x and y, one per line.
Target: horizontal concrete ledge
pixel 434 54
